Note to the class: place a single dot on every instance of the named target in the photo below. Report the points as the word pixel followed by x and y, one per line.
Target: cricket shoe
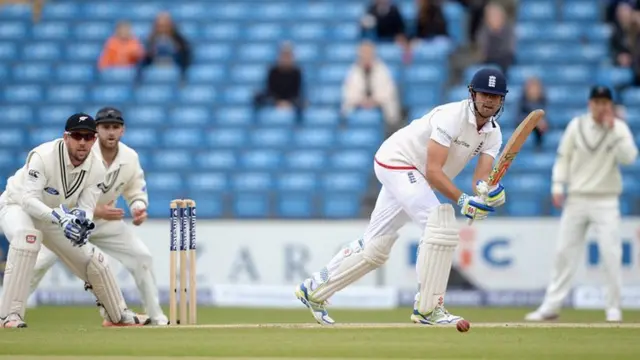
pixel 613 315
pixel 540 315
pixel 438 316
pixel 13 321
pixel 159 321
pixel 129 318
pixel 317 309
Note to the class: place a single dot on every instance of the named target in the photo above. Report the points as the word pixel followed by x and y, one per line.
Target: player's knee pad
pixel 104 286
pixel 435 256
pixel 21 259
pixel 377 249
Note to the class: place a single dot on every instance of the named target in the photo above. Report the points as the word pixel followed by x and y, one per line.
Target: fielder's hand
pixel 108 212
pixel 139 216
pixel 474 207
pixel 494 196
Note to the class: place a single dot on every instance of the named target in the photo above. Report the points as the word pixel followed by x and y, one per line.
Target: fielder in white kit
pixel 413 163
pixel 587 172
pixel 58 175
pixel 112 235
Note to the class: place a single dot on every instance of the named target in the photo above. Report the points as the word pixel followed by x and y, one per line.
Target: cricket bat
pixel 513 147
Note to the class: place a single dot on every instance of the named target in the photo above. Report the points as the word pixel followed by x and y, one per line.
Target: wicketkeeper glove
pixel 74 224
pixel 474 207
pixel 494 196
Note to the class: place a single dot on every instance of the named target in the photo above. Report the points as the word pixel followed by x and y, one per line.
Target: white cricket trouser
pixel 14 221
pixel 603 213
pixel 118 240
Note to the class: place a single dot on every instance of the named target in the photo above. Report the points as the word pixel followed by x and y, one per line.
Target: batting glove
pixel 474 207
pixel 493 195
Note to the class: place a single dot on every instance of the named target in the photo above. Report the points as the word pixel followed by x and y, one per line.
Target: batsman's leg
pixel 118 240
pixel 606 221
pixel 435 256
pixel 573 229
pixel 24 243
pixel 91 266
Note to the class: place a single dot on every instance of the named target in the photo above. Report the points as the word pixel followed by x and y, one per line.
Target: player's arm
pixel 135 190
pixel 483 169
pixel 625 148
pixel 560 171
pixel 34 182
pixel 88 199
pixel 437 179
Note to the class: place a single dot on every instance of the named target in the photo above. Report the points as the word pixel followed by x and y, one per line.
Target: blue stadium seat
pixel 257 52
pixel 8 51
pixel 83 73
pixel 251 74
pixel 61 11
pixel 568 95
pixel 83 51
pixel 295 205
pixel 537 10
pixel 341 52
pixel 615 76
pixel 117 75
pixel 630 184
pixel 352 160
pixel 174 159
pixel 222 31
pixel 98 31
pixel 321 116
pixel 598 32
pixel 273 11
pixel 198 94
pixel 365 117
pixel 216 159
pixel 161 74
pixel 163 181
pixel 111 94
pixel 263 32
pixel 306 52
pixel 297 182
pixel 276 116
pixel 325 95
pixel 145 115
pixel 252 181
pixel 532 183
pixel 181 138
pixel 305 160
pixel 340 206
pixel 138 137
pixel 66 93
pixel 315 11
pixel 154 94
pixel 558 117
pixel 333 73
pixel 551 140
pixel 43 51
pixel 416 73
pixel 345 32
pixel 8 163
pixel 250 206
pixel 315 137
pixel 41 135
pixel 189 11
pixel 261 159
pixel 354 182
pixel 55 115
pixel 212 52
pixel 12 30
pixel 549 31
pixel 422 95
pixel 234 116
pixel 12 138
pixel 207 182
pixel 389 52
pixel 238 95
pixel 580 10
pixel 524 205
pixel 22 93
pixel 226 138
pixel 210 205
pixel 308 32
pixel 190 115
pixel 18 114
pixel 367 138
pixel 29 72
pixel 209 73
pixel 271 138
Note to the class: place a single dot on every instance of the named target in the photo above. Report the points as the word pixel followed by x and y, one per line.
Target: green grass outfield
pixel 223 333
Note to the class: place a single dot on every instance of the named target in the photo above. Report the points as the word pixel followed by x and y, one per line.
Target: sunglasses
pixel 80 136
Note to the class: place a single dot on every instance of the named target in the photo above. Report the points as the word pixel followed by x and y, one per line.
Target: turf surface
pixel 75 333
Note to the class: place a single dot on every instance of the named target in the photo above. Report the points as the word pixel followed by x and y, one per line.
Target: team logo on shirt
pixel 412 177
pixel 478 148
pixel 34 173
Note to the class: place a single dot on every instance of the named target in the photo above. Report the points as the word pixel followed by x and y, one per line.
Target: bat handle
pixel 469 222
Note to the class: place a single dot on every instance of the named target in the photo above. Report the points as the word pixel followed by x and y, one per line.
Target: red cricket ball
pixel 463 325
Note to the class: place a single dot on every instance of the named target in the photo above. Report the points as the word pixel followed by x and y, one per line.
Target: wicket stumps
pixel 182 216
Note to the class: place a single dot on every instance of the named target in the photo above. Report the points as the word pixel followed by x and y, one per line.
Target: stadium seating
pixel 204 141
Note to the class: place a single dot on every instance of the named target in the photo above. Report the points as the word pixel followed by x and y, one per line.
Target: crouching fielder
pixel 33 211
pixel 113 236
pixel 412 164
pixel 590 153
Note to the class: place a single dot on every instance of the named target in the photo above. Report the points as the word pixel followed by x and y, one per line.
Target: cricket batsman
pixel 51 201
pixel 587 185
pixel 413 164
pixel 112 235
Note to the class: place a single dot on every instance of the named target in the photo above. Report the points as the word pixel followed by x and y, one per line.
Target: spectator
pixel 166 45
pixel 284 84
pixel 624 39
pixel 431 22
pixel 122 49
pixel 496 38
pixel 369 85
pixel 383 22
pixel 534 98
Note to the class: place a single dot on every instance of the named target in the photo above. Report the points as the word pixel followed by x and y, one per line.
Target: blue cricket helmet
pixel 490 81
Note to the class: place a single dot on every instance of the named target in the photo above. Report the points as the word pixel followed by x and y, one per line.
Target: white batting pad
pixel 45 261
pixel 435 257
pixel 350 264
pixel 23 252
pixel 105 287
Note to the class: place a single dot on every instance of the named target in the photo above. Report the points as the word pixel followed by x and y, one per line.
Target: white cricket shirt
pixel 452 125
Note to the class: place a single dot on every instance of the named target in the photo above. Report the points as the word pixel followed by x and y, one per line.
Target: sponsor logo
pixel 461 143
pixel 34 173
pixel 31 239
pixel 51 190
